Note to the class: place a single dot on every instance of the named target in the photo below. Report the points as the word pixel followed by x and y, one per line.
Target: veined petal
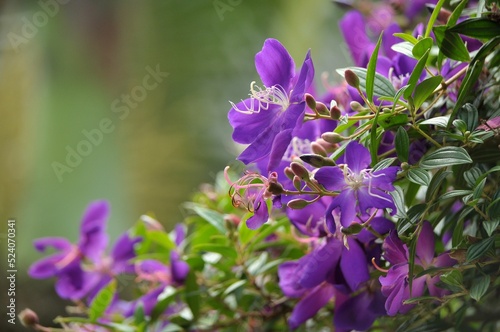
pixel 310 305
pixel 248 126
pixel 93 237
pixel 261 146
pixel 318 264
pixel 375 198
pixel 274 64
pixel 279 147
pixel 346 201
pixel 331 177
pixel 261 214
pixel 352 26
pixel 357 157
pixel 383 179
pixel 304 80
pixel 395 251
pixel 357 313
pixel 288 274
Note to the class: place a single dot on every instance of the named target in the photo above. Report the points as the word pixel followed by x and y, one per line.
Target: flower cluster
pixel 358 203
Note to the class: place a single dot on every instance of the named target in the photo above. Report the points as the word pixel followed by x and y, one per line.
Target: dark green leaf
pixel 393 121
pixel 192 294
pixel 478 191
pixel 222 249
pixel 422 46
pixel 468 113
pixel 381 87
pixel 374 141
pixel 415 75
pixel 481 28
pixel 479 287
pixel 477 250
pixel 455 193
pixel 490 226
pixel 486 49
pixel 458 233
pixel 371 70
pixel 472 175
pixel 419 176
pixel 450 44
pixel 452 278
pixel 456 13
pixel 435 184
pixel 445 156
pixel 402 142
pixel 102 300
pixel 425 89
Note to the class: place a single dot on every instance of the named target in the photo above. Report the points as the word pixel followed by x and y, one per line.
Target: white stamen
pixel 260 99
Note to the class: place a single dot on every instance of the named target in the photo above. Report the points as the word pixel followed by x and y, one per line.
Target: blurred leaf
pixel 384 163
pixel 405 48
pixel 445 156
pixel 161 238
pixel 234 286
pixel 425 89
pixel 472 175
pixel 381 85
pixel 455 15
pixel 192 294
pixel 479 287
pixel 440 121
pixel 468 113
pixel 374 139
pixel 480 27
pixel 163 301
pixel 406 37
pixel 393 121
pixel 265 231
pixel 371 70
pixel 213 217
pixel 402 143
pixel 224 250
pixel 490 226
pixel 419 176
pixel 477 250
pixel 422 46
pixel 455 193
pixel 102 301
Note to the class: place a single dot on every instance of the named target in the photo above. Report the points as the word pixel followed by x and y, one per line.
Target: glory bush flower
pixel 267 119
pixel 395 285
pixel 359 187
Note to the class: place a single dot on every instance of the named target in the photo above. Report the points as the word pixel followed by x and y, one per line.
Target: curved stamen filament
pixel 262 98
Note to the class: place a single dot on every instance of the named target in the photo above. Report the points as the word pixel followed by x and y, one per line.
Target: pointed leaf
pixel 102 301
pixel 419 176
pixel 422 47
pixel 481 28
pixel 425 89
pixel 445 156
pixel 477 250
pixel 381 86
pixel 402 143
pixel 479 287
pixel 415 75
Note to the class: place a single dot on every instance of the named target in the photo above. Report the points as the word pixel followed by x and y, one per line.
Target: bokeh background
pixel 65 65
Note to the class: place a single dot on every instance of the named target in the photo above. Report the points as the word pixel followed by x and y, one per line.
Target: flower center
pixel 262 98
pixel 353 180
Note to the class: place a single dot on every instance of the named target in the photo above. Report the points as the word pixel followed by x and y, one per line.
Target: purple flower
pixel 395 285
pixel 360 188
pixel 267 119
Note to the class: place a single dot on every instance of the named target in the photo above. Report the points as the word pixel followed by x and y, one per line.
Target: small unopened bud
pixel 443 15
pixel 289 173
pixel 351 78
pixel 335 112
pixel 318 149
pixel 275 188
pixel 333 137
pixel 28 318
pixel 386 110
pixel 405 166
pixel 297 204
pixel 300 171
pixel 317 160
pixel 297 183
pixel 354 228
pixel 310 101
pixel 356 106
pixel 322 109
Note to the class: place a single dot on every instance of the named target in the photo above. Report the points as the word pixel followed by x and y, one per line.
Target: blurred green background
pixel 66 65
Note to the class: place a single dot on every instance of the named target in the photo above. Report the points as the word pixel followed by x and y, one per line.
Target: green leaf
pixel 371 70
pixel 458 233
pixel 481 28
pixel 161 238
pixel 419 176
pixel 234 286
pixel 455 193
pixel 468 113
pixel 479 287
pixel 374 142
pixel 468 82
pixel 402 142
pixel 486 49
pixel 102 301
pixel 435 184
pixel 192 294
pixel 450 44
pixel 478 191
pixel 224 250
pixel 393 121
pixel 405 48
pixel 456 13
pixel 425 89
pixel 440 121
pixel 433 17
pixel 415 75
pixel 399 200
pixel 213 217
pixel 445 156
pixel 490 226
pixel 384 163
pixel 477 250
pixel 162 302
pixel 381 86
pixel 406 37
pixel 452 278
pixel 422 47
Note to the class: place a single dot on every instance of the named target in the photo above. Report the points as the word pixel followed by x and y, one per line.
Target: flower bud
pixel 297 204
pixel 322 109
pixel 310 101
pixel 405 166
pixel 28 317
pixel 318 149
pixel 289 173
pixel 333 137
pixel 356 106
pixel 300 171
pixel 317 160
pixel 297 183
pixel 275 188
pixel 353 229
pixel 335 112
pixel 351 78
